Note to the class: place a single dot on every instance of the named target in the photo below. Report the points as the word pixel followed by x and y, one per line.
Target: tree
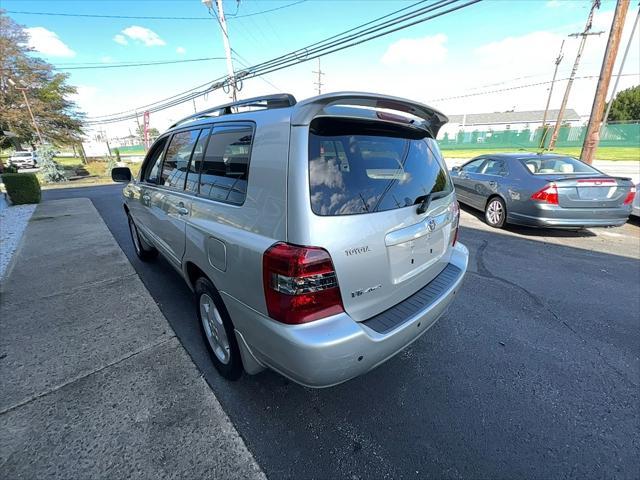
pixel 626 105
pixel 153 133
pixel 48 93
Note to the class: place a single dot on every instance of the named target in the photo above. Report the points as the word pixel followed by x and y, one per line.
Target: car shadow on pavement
pixel 533 231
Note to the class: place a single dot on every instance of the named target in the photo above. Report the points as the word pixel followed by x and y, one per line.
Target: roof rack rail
pixel 279 100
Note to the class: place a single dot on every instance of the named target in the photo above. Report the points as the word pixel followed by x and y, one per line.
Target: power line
pixel 267 11
pixel 377 28
pixel 146 17
pixel 146 64
pixel 517 87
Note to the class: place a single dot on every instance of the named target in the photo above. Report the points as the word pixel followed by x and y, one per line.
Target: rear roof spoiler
pixel 306 110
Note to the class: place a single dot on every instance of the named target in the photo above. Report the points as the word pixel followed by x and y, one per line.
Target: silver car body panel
pixel 227 243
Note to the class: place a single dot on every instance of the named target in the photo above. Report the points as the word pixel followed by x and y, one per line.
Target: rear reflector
pixel 300 284
pixel 549 194
pixel 455 222
pixel 630 196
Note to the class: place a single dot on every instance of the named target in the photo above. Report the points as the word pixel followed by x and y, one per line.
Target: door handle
pixel 181 209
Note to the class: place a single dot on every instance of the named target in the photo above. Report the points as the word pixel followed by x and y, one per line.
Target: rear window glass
pixel 563 165
pixel 370 170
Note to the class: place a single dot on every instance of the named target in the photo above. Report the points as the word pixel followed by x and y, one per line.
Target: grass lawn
pixel 603 153
pixel 94 172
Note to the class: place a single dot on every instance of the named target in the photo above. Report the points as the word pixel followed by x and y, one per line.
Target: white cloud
pixel 121 39
pixel 417 51
pixel 142 35
pixel 181 50
pixel 106 59
pixel 47 42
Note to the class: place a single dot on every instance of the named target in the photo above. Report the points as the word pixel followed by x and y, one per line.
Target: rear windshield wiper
pixel 425 200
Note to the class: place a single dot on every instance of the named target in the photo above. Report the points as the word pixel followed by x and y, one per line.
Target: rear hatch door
pixel 366 182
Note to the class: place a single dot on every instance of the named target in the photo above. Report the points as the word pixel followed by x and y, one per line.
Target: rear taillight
pixel 455 222
pixel 549 194
pixel 630 196
pixel 300 284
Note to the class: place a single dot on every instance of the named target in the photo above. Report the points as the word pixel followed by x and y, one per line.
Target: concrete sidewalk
pixel 93 381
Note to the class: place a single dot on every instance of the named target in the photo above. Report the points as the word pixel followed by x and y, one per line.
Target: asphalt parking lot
pixel 533 372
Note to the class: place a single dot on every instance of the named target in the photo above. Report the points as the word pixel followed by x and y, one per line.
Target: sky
pixel 469 61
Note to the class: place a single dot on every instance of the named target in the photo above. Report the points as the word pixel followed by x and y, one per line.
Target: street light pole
pixel 26 101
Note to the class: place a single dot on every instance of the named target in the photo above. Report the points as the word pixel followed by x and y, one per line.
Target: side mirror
pixel 455 169
pixel 121 174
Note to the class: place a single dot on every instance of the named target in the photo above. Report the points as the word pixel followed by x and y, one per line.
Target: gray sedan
pixel 542 190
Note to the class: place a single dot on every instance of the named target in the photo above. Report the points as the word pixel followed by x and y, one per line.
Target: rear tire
pixel 143 251
pixel 495 213
pixel 217 330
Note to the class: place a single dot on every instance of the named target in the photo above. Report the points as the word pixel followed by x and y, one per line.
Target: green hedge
pixel 22 187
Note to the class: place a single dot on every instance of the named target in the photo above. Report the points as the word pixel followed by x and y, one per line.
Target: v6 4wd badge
pixel 357 250
pixel 362 291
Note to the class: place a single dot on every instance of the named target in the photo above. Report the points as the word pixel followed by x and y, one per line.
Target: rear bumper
pixel 558 217
pixel 333 350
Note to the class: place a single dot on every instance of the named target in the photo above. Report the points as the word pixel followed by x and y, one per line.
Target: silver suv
pixel 319 237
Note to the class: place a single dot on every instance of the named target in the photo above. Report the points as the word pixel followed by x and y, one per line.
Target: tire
pixel 217 330
pixel 143 251
pixel 495 213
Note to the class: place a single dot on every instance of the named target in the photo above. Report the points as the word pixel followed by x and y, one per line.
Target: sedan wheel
pixel 496 213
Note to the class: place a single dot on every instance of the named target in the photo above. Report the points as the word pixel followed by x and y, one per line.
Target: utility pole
pixel 319 81
pixel 225 40
pixel 615 85
pixel 584 34
pixel 26 101
pixel 592 137
pixel 546 109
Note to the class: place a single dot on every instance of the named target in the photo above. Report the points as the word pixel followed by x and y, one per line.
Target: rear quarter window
pixel 368 170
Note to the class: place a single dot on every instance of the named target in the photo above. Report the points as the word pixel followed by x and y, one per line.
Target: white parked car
pixel 23 160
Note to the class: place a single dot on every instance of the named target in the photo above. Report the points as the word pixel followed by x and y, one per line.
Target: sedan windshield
pixel 561 165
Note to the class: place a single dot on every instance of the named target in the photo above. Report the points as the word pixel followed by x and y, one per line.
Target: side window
pixel 153 161
pixel 225 168
pixel 494 167
pixel 176 160
pixel 472 166
pixel 196 162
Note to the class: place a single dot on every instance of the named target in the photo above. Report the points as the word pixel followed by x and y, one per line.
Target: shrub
pixel 51 171
pixel 22 187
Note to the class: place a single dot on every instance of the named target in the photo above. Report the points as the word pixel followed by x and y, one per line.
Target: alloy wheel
pixel 214 329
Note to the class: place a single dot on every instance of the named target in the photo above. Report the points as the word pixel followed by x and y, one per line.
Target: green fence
pixel 616 135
